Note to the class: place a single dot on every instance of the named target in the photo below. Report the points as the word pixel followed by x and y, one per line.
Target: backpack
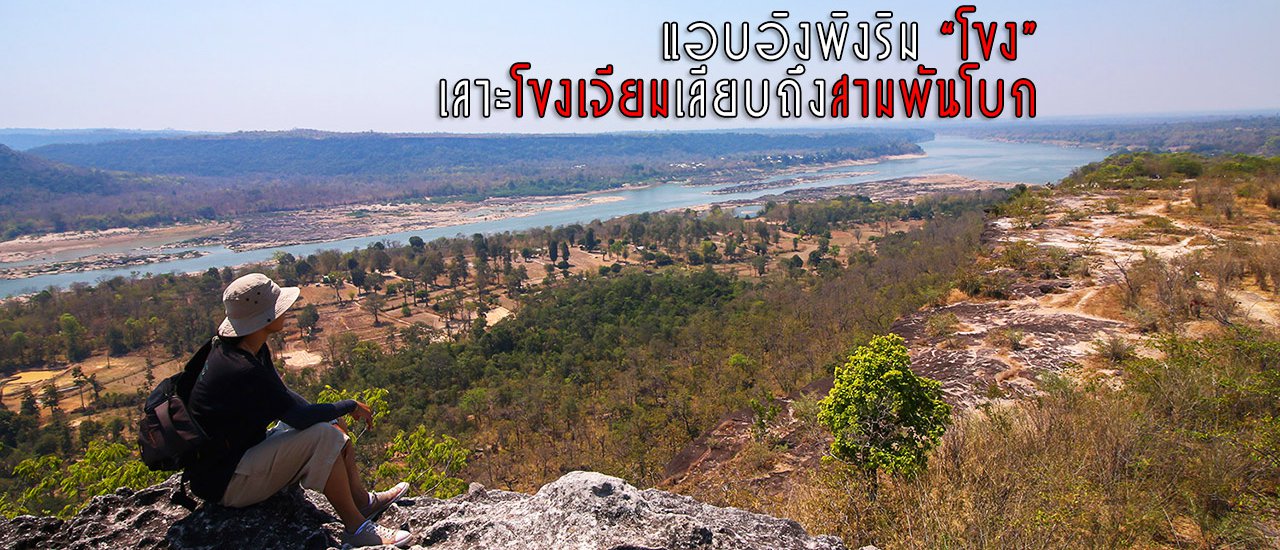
pixel 169 437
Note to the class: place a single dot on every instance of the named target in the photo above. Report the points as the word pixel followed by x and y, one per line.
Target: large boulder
pixel 580 510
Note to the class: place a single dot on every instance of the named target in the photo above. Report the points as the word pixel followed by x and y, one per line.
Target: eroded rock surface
pixel 580 510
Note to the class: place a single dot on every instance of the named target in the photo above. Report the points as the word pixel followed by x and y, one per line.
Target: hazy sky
pixel 354 66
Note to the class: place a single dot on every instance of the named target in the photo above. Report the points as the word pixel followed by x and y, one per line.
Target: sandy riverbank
pixel 82 244
pixel 95 262
pixel 87 251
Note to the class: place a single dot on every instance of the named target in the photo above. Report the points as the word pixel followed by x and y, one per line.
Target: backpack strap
pixel 166 422
pixel 192 369
pixel 180 496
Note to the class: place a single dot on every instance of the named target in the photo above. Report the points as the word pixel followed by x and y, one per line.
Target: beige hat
pixel 252 302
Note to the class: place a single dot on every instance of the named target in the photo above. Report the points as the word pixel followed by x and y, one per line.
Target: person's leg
pixel 358 492
pixel 283 458
pixel 312 456
pixel 338 490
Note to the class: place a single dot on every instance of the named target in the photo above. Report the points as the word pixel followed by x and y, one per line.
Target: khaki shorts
pixel 286 456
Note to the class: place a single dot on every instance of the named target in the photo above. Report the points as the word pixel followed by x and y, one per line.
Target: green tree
pixel 18 344
pixel 759 263
pixel 375 398
pixel 80 380
pixel 515 280
pixel 116 341
pixel 135 333
pixel 95 386
pixel 308 317
pixel 104 468
pixel 883 416
pixel 373 304
pixel 358 277
pixel 30 406
pixel 304 270
pixel 335 279
pixel 73 337
pixel 49 397
pixel 427 463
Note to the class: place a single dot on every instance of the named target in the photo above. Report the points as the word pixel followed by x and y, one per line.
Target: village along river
pixel 971 158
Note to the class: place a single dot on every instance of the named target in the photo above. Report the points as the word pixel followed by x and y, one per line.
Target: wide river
pixel 977 159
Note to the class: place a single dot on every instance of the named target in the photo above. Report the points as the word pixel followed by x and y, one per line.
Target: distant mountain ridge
pixel 23 139
pixel 1254 135
pixel 312 153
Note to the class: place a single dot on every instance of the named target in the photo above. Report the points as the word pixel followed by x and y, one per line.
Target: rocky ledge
pixel 580 510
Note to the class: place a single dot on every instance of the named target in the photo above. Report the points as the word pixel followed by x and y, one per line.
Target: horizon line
pixel 913 123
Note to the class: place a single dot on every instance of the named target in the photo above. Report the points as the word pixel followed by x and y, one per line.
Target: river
pixel 972 158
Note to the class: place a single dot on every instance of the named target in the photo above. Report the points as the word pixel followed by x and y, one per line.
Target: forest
pixel 1145 170
pixel 40 196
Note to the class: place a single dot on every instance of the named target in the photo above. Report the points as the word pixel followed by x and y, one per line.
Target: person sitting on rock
pixel 239 393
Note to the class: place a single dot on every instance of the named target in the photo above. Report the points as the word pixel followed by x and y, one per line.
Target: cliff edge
pixel 580 510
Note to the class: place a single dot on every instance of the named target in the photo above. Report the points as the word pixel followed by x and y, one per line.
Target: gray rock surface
pixel 582 510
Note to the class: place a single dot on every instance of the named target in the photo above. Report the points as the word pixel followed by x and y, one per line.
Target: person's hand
pixel 342 425
pixel 363 412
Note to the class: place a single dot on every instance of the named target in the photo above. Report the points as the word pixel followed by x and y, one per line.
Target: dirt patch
pixel 297 359
pixel 727 459
pixel 1106 302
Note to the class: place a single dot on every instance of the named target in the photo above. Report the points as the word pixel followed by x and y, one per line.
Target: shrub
pixel 942 325
pixel 1114 349
pixel 1010 339
pixel 1273 196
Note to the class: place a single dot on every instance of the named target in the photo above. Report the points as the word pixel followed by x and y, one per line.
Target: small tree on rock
pixel 883 416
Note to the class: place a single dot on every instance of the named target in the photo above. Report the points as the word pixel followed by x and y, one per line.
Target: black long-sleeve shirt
pixel 236 397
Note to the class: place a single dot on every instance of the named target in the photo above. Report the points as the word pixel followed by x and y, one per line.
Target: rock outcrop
pixel 580 510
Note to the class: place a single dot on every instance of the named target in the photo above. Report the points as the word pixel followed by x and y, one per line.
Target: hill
pixel 23 174
pixel 1258 135
pixel 40 196
pixel 308 153
pixel 28 138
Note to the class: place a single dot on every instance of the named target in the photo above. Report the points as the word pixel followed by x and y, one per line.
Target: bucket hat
pixel 252 302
